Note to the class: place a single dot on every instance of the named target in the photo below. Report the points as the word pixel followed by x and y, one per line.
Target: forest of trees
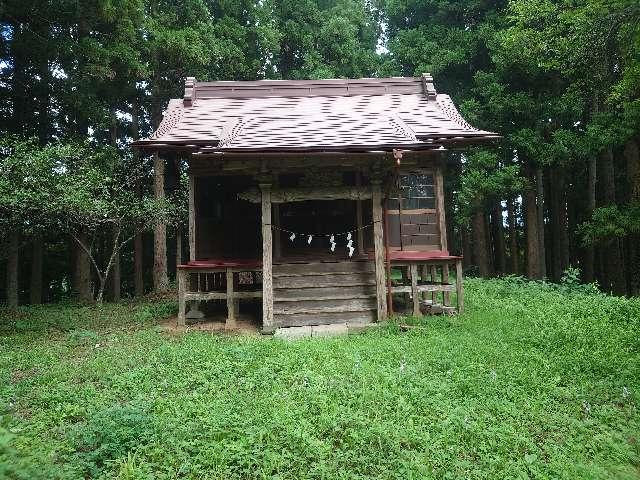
pixel 83 216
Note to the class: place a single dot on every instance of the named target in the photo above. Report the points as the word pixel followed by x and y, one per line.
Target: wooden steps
pixel 324 293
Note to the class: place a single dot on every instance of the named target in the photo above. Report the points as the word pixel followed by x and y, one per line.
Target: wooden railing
pixel 428 273
pixel 215 280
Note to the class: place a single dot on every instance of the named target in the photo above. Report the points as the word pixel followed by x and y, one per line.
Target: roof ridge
pixel 307 88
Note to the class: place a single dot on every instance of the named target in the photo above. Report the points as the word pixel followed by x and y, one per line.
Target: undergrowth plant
pixel 535 380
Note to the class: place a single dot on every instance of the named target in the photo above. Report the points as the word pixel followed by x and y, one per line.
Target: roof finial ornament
pixel 428 87
pixel 189 91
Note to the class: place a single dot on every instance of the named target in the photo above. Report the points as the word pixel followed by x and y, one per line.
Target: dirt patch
pixel 245 325
pixel 20 375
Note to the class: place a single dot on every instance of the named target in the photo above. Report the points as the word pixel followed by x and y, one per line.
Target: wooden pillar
pixel 194 311
pixel 446 296
pixel 277 244
pixel 424 270
pixel 160 278
pixel 378 245
pixel 359 222
pixel 267 259
pixel 231 302
pixel 178 245
pixel 183 276
pixel 459 289
pixel 434 279
pixel 415 296
pixel 192 218
pixel 442 223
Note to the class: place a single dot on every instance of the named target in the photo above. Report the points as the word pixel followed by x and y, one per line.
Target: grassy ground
pixel 532 382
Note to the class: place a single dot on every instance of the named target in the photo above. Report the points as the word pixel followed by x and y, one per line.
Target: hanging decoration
pixel 332 237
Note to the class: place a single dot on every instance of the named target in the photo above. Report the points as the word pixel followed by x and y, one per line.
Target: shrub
pixel 110 435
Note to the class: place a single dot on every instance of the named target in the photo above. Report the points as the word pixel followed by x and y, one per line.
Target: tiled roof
pixel 312 115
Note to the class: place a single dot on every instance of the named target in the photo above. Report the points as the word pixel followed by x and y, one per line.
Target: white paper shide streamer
pixel 332 239
pixel 350 244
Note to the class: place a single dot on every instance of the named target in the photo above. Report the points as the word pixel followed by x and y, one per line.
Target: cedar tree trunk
pixel 559 224
pixel 82 273
pixel 500 263
pixel 533 239
pixel 138 245
pixel 115 273
pixel 632 157
pixel 542 254
pixel 589 253
pixel 612 261
pixel 513 237
pixel 12 269
pixel 35 289
pixel 466 245
pixel 480 250
pixel 160 278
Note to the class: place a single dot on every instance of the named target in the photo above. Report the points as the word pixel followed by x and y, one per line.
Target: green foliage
pixel 534 380
pixel 571 281
pixel 72 187
pixel 27 174
pixel 611 222
pixel 92 188
pixel 109 435
pixel 485 178
pixel 81 324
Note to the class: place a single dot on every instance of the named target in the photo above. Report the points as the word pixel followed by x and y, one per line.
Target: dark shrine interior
pixel 230 228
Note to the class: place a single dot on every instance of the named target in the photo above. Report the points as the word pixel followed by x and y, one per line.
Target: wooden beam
pixel 445 279
pixel 442 224
pixel 286 195
pixel 423 288
pixel 277 244
pixel 434 276
pixel 192 218
pixel 267 259
pixel 231 164
pixel 360 232
pixel 206 296
pixel 415 295
pixel 424 276
pixel 459 290
pixel 378 245
pixel 231 302
pixel 182 301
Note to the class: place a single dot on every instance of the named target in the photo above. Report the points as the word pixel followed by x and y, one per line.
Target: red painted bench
pixel 417 256
pixel 422 264
pixel 248 263
pixel 229 266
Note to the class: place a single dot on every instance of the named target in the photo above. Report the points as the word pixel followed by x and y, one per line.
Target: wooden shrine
pixel 320 200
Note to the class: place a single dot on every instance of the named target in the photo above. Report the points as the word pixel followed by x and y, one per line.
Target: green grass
pixel 534 381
